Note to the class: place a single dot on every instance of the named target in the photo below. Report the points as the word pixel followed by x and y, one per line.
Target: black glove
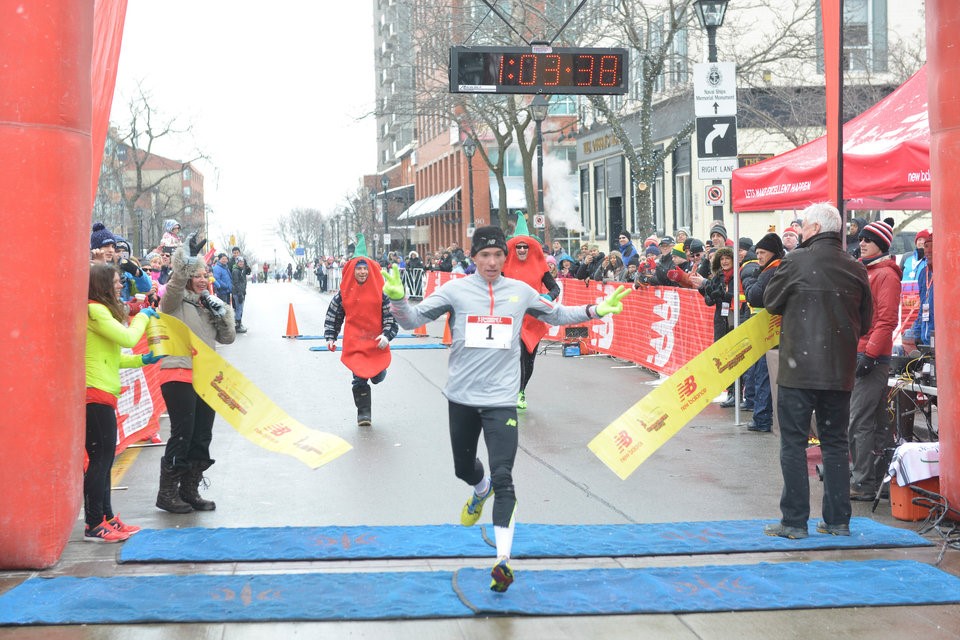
pixel 130 267
pixel 865 364
pixel 195 242
pixel 213 304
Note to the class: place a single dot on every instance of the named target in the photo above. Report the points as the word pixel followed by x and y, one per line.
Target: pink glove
pixel 332 345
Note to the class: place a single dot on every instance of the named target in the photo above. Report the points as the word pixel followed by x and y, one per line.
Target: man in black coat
pixel 823 296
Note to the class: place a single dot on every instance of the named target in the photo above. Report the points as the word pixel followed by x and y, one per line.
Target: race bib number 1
pixel 488 332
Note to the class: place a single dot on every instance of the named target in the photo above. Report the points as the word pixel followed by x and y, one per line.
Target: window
pixel 658 215
pixel 568 155
pixel 186 191
pixel 585 198
pixel 864 35
pixel 679 71
pixel 682 210
pixel 600 199
pixel 562 106
pixel 187 174
pixel 513 164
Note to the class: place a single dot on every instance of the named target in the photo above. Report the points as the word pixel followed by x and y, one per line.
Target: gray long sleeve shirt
pixel 484 377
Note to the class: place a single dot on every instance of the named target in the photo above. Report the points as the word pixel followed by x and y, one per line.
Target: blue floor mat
pixel 764 586
pixel 400 347
pixel 454 541
pixel 418 595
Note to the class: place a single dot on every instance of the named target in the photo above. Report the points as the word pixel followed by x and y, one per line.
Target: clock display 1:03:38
pixel 526 70
pixel 560 70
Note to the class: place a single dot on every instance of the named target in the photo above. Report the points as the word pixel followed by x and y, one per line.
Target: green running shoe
pixel 521 400
pixel 473 508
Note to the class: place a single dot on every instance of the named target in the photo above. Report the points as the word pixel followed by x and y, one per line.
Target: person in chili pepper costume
pixel 526 262
pixel 363 310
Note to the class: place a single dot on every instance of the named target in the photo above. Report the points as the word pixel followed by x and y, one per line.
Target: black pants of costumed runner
pixel 526 364
pixel 499 428
pixel 101 445
pixel 191 425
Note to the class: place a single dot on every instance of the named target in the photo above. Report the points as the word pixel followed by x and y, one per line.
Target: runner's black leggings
pixel 191 425
pixel 101 445
pixel 526 364
pixel 499 427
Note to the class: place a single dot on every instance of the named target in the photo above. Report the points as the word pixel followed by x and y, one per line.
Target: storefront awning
pixel 428 206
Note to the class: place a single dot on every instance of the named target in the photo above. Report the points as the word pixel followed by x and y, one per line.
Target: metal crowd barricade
pixel 413 282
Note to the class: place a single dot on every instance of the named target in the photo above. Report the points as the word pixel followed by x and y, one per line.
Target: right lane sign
pixel 717 137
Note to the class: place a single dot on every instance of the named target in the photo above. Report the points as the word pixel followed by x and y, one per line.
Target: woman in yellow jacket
pixel 107 331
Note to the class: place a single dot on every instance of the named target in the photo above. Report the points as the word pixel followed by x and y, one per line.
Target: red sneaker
pixel 122 526
pixel 104 532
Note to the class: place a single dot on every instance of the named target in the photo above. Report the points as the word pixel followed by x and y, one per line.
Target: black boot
pixel 167 498
pixel 361 398
pixel 190 486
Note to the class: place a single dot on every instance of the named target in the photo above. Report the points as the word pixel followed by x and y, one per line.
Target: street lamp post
pixel 710 13
pixel 538 109
pixel 140 231
pixel 373 216
pixel 470 148
pixel 385 182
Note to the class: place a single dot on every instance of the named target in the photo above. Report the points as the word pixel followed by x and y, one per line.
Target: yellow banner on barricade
pixel 239 402
pixel 644 427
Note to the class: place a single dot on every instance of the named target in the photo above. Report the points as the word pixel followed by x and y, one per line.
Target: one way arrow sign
pixel 717 137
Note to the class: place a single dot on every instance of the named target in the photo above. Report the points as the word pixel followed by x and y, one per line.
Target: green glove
pixel 612 303
pixel 392 286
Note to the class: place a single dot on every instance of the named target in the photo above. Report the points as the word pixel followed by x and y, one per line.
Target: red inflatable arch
pixel 55 94
pixel 943 67
pixel 56 89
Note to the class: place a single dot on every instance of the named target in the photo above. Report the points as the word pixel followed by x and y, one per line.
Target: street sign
pixel 717 137
pixel 716 168
pixel 714 89
pixel 714 194
pixel 539 221
pixel 386 239
pixel 470 230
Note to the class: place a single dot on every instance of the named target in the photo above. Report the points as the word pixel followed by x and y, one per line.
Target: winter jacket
pixel 884 275
pixel 238 276
pixel 824 297
pixel 184 305
pixel 105 336
pixel 922 328
pixel 223 281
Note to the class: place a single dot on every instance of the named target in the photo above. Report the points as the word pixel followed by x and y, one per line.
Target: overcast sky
pixel 273 91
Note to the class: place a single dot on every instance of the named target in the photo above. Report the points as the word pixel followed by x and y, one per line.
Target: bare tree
pixel 300 228
pixel 138 185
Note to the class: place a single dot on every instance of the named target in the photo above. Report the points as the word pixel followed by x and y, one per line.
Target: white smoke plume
pixel 560 194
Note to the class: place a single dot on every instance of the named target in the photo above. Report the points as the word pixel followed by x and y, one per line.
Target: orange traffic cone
pixel 421 331
pixel 292 331
pixel 447 339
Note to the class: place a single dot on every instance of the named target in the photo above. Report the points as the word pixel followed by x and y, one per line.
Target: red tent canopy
pixel 886 161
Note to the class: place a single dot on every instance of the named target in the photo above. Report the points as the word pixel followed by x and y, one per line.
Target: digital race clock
pixel 521 70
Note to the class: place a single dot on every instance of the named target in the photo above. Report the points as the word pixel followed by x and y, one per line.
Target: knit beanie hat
pixel 772 243
pixel 101 236
pixel 719 228
pixel 695 246
pixel 746 243
pixel 488 237
pixel 652 250
pixel 922 234
pixel 791 231
pixel 678 251
pixel 880 233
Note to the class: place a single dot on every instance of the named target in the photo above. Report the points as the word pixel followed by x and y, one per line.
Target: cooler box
pixel 901 499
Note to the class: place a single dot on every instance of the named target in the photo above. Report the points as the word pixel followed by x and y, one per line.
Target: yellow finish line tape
pixel 644 427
